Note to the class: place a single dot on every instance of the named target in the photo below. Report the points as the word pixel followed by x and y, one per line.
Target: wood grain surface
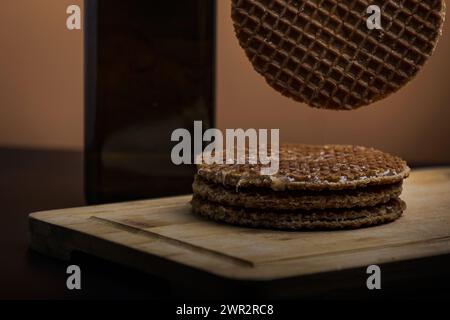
pixel 142 234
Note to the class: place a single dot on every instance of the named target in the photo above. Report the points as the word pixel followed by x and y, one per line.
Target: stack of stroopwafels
pixel 317 187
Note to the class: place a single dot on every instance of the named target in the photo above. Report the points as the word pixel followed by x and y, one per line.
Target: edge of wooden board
pixel 42 224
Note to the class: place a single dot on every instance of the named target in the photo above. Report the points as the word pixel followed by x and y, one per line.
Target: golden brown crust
pixel 325 55
pixel 314 167
pixel 261 199
pixel 301 220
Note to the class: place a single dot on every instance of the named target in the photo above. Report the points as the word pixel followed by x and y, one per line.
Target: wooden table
pixel 162 237
pixel 33 180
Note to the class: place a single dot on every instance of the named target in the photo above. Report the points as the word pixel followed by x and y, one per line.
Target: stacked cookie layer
pixel 317 187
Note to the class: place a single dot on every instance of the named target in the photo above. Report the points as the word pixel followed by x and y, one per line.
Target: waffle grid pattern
pixel 321 52
pixel 310 167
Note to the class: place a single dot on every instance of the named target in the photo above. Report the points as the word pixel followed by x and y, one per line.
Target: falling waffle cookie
pixel 322 52
pixel 316 187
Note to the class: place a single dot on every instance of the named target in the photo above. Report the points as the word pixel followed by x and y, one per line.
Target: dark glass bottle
pixel 149 70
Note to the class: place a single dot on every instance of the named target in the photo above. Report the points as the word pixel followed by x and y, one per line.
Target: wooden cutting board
pixel 164 238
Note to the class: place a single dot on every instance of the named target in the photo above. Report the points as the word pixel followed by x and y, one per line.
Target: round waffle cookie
pixel 301 220
pixel 317 187
pixel 255 198
pixel 314 168
pixel 322 52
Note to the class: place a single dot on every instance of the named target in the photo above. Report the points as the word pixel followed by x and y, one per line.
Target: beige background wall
pixel 41 73
pixel 41 92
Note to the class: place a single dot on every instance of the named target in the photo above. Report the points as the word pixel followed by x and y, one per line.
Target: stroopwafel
pixel 322 53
